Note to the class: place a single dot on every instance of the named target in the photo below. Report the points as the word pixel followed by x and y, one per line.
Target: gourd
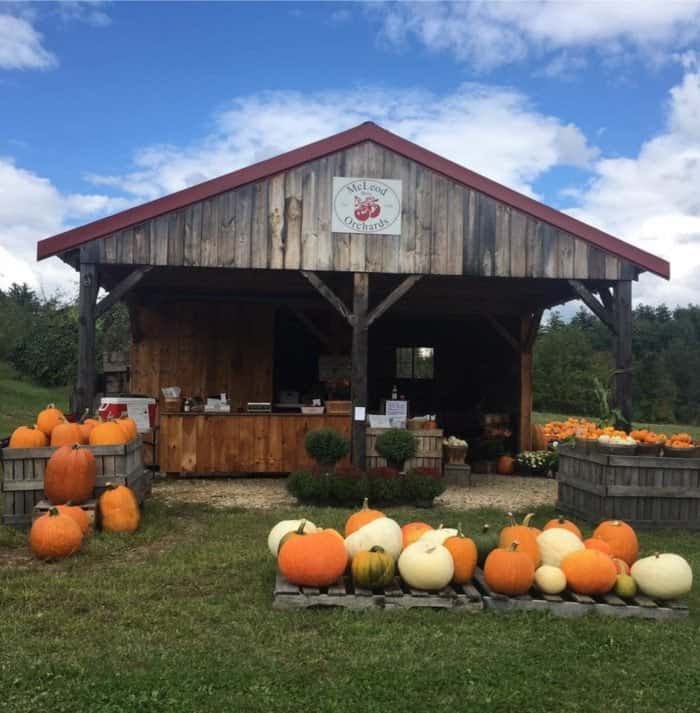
pixel 595 543
pixel 663 576
pixel 439 535
pixel 509 571
pixel 373 569
pixel 86 426
pixel 625 586
pixel 550 579
pixel 621 566
pixel 70 474
pixel 505 465
pixel 107 433
pixel 383 531
pixel 524 535
pixel 362 517
pixel 464 555
pixel 54 536
pixel 539 438
pixel 556 543
pixel 589 572
pixel 128 426
pixel 564 524
pixel 117 510
pixel 48 418
pixel 65 433
pixel 284 527
pixel 314 560
pixel 621 538
pixel 77 514
pixel 426 565
pixel 485 540
pixel 28 437
pixel 413 531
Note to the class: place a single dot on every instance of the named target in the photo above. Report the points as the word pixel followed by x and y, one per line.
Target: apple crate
pixel 23 476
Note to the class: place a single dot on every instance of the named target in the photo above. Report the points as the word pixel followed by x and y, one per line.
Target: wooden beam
pixel 119 291
pixel 504 333
pixel 622 293
pixel 326 291
pixel 87 367
pixel 358 386
pixel 607 299
pixel 392 298
pixel 533 329
pixel 525 418
pixel 592 303
pixel 311 326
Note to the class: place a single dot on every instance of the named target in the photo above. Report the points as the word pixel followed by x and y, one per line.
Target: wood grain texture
pixel 284 223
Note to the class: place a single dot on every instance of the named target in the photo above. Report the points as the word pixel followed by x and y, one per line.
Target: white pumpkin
pixel 556 543
pixel 439 535
pixel 424 565
pixel 282 528
pixel 664 576
pixel 550 579
pixel 383 532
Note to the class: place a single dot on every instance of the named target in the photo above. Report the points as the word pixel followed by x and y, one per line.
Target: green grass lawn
pixel 667 428
pixel 20 401
pixel 179 618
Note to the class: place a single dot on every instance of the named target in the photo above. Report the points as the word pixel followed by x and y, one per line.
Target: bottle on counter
pixel 394 393
pixel 188 405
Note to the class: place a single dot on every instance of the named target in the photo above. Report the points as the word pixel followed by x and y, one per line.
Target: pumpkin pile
pixel 680 440
pixel 571 428
pixel 375 549
pixel 645 437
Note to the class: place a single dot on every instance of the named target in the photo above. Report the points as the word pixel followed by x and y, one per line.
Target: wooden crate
pixel 647 492
pixel 43 506
pixel 429 454
pixel 23 476
pixel 571 605
pixel 398 596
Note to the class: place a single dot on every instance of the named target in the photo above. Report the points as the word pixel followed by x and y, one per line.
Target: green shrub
pixel 348 486
pixel 396 446
pixel 309 487
pixel 326 446
pixel 385 486
pixel 423 485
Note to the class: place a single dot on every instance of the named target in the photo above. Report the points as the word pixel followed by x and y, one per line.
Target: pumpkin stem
pixel 513 546
pixel 527 518
pixel 512 519
pixel 561 520
pixel 53 511
pixel 459 530
pixel 430 549
pixel 485 529
pixel 365 504
pixel 376 548
pixel 300 529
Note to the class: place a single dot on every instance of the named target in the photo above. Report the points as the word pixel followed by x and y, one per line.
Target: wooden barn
pixel 361 269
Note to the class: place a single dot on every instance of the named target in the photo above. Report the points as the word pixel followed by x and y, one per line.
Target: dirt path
pixel 509 493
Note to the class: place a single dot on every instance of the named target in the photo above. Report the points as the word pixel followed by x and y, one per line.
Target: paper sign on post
pixel 360 413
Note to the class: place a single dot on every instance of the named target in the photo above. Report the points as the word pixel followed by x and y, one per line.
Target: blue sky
pixel 590 107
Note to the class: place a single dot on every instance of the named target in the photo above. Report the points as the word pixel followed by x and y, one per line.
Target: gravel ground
pixel 508 493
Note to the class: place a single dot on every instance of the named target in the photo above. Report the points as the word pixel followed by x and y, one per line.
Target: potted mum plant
pixel 326 446
pixel 396 446
pixel 423 485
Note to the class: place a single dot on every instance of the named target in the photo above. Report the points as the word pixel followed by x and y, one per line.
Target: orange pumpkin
pixel 107 433
pixel 128 425
pixel 505 465
pixel 361 517
pixel 589 572
pixel 70 474
pixel 539 438
pixel 595 543
pixel 66 434
pixel 412 531
pixel 49 418
pixel 54 536
pixel 86 428
pixel 509 571
pixel 525 536
pixel 464 556
pixel 314 560
pixel 28 437
pixel 621 538
pixel 76 513
pixel 117 510
pixel 565 525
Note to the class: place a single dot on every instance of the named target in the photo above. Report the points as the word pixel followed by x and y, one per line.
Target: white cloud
pixel 21 45
pixel 489 34
pixel 494 131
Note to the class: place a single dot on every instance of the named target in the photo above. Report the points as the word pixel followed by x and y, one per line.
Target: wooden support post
pixel 622 293
pixel 594 305
pixel 326 291
pixel 392 298
pixel 359 365
pixel 529 324
pixel 87 368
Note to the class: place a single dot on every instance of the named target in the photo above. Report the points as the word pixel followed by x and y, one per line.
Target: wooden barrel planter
pixel 647 492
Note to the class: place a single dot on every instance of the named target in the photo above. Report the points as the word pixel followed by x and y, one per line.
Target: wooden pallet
pixel 398 596
pixel 571 605
pixel 42 507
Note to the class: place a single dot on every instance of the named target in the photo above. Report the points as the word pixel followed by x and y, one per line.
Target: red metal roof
pixel 364 132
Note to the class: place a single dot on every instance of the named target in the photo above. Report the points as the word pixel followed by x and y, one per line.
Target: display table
pixel 232 443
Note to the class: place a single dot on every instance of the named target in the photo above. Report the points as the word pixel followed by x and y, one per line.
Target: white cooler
pixel 141 408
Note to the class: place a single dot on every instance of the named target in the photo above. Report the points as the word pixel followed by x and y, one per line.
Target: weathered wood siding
pixel 284 223
pixel 205 348
pixel 242 443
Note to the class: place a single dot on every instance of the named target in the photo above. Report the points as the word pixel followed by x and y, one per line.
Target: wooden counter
pixel 223 443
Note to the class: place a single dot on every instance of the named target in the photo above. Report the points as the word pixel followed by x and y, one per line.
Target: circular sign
pixel 366 205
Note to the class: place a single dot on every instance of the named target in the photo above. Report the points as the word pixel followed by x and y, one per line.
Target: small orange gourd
pixel 54 536
pixel 49 418
pixel 565 525
pixel 464 556
pixel 117 510
pixel 66 434
pixel 361 518
pixel 108 433
pixel 595 543
pixel 77 514
pixel 28 437
pixel 314 560
pixel 525 536
pixel 622 539
pixel 509 571
pixel 589 572
pixel 128 425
